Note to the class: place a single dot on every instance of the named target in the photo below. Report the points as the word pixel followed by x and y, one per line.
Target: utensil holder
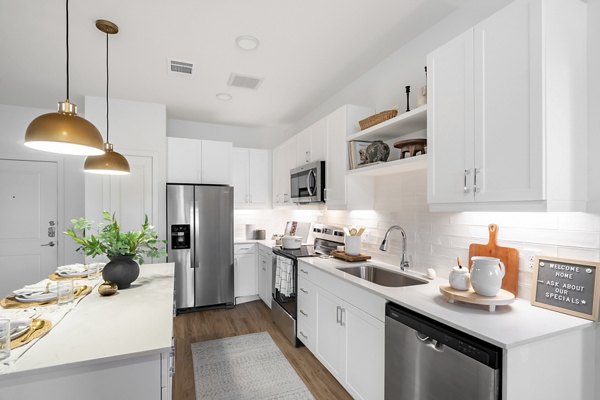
pixel 353 245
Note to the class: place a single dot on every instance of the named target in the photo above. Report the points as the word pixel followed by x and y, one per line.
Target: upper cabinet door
pixel 216 162
pixel 508 105
pixel 450 121
pixel 183 164
pixel 303 147
pixel 240 176
pixel 259 173
pixel 318 141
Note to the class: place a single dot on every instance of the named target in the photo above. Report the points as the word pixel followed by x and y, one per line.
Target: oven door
pixel 307 183
pixel 283 306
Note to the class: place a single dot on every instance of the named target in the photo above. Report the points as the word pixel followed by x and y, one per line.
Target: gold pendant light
pixel 111 162
pixel 64 132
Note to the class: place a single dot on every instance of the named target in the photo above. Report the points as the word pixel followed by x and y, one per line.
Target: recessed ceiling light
pixel 247 42
pixel 224 96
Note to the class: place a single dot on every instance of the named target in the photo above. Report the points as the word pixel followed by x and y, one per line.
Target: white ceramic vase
pixel 486 275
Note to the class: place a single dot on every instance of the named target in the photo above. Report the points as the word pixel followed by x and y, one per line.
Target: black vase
pixel 121 270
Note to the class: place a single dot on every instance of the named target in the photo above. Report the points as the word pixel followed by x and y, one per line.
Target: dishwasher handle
pixel 429 342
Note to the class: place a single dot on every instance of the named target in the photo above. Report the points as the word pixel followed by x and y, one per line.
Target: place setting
pixel 44 293
pixel 77 271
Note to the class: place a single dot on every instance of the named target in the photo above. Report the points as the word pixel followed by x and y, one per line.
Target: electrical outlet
pixel 366 236
pixel 526 259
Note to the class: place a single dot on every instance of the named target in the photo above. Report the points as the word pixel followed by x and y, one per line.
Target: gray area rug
pixel 243 368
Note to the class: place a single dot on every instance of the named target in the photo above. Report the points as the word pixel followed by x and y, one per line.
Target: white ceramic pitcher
pixel 486 275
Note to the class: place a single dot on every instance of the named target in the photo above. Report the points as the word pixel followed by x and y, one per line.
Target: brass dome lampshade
pixel 111 162
pixel 64 131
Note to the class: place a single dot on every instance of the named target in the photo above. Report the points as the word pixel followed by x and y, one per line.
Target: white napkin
pixel 39 287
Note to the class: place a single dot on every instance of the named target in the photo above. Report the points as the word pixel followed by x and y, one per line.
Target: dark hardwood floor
pixel 244 318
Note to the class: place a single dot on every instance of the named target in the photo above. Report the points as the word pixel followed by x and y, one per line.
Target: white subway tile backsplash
pixel 436 239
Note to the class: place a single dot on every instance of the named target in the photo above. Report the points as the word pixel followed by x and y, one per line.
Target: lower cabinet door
pixel 330 337
pixel 264 279
pixel 365 343
pixel 245 275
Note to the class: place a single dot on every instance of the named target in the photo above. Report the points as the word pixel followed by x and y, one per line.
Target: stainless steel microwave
pixel 308 183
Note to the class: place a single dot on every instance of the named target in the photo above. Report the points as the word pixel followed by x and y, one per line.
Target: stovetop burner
pixel 305 250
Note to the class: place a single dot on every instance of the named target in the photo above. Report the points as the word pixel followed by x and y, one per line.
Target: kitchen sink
pixel 382 276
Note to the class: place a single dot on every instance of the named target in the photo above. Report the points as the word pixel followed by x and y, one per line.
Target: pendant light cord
pixel 67 39
pixel 107 141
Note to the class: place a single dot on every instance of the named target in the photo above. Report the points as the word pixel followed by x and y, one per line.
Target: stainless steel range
pixel 284 309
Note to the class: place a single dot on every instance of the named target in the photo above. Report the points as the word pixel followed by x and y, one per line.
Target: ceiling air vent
pixel 244 81
pixel 183 68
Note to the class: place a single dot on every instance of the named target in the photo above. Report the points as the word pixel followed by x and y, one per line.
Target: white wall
pixel 594 104
pixel 382 87
pixel 136 128
pixel 259 138
pixel 13 123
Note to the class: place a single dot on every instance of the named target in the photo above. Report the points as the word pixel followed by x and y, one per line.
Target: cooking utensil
pixel 508 255
pixel 353 231
pixel 36 325
pixel 361 230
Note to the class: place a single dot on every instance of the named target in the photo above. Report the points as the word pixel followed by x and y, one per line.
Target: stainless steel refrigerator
pixel 200 243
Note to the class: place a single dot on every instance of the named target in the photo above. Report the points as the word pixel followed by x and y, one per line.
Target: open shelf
pixel 402 124
pixel 391 167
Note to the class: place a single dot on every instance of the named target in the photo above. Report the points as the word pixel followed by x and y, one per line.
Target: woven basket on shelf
pixel 377 119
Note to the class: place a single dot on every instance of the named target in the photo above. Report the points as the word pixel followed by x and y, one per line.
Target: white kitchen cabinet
pixel 506 112
pixel 251 176
pixel 284 160
pixel 344 191
pixel 245 272
pixel 265 274
pixel 311 143
pixel 199 161
pixel 347 339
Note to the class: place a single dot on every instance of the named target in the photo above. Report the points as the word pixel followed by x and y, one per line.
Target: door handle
pixel 303 313
pixel 51 244
pixel 338 319
pixel 304 291
pixel 475 188
pixel 308 180
pixel 342 314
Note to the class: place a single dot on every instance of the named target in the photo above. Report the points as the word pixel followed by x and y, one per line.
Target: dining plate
pixel 18 330
pixel 68 274
pixel 35 297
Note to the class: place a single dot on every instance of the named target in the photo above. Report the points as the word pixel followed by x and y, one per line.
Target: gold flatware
pixel 36 325
pixel 80 290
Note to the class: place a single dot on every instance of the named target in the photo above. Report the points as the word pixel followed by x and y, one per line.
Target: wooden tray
pixel 508 255
pixel 503 297
pixel 346 257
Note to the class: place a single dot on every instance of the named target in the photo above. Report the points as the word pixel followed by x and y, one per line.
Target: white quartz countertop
pixel 267 243
pixel 509 326
pixel 134 322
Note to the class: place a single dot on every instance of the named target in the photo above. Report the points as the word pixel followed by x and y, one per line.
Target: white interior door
pixel 129 196
pixel 28 232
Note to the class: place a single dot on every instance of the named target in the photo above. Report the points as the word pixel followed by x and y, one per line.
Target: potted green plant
pixel 124 249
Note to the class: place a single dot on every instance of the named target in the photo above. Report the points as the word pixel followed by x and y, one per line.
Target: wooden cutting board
pixel 508 255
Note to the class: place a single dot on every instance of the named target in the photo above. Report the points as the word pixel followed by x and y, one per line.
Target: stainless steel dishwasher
pixel 426 360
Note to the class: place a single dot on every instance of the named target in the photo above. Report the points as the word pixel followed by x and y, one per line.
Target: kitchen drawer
pixel 244 248
pixel 307 333
pixel 264 250
pixel 358 297
pixel 307 297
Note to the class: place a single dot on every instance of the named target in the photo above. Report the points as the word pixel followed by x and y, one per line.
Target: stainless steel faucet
pixel 404 265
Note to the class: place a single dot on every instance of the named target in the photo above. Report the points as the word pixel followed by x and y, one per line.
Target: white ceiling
pixel 309 49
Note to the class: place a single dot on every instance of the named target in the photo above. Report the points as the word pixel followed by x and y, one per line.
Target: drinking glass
pixel 4 338
pixel 93 271
pixel 65 291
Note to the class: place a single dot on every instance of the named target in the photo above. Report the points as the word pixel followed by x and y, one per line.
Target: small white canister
pixel 352 245
pixel 460 278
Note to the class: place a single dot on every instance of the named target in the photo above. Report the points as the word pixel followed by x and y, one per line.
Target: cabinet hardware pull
pixel 303 335
pixel 475 188
pixel 325 194
pixel 303 271
pixel 338 318
pixel 303 313
pixel 304 291
pixel 342 319
pixel 465 188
